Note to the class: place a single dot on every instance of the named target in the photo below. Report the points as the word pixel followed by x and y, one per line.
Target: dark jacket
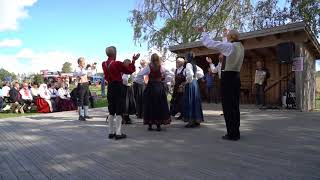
pixel 15 95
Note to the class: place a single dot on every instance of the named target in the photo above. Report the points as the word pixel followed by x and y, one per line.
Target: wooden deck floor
pixel 274 145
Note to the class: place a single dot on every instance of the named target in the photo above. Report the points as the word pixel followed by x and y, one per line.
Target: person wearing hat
pixel 176 103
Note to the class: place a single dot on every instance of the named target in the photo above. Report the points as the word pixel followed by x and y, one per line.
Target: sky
pixel 43 34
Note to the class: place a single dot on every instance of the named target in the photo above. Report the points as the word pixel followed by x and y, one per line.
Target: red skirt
pixel 42 106
pixel 66 105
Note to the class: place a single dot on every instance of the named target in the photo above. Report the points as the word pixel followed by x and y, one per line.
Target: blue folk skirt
pixel 192 111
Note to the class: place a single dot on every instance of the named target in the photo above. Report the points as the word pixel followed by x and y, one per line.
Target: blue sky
pixel 81 28
pixel 43 34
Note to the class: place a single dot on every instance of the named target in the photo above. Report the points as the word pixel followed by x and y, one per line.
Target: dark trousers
pixel 210 95
pixel 84 94
pixel 138 96
pixel 260 94
pixel 114 96
pixel 230 91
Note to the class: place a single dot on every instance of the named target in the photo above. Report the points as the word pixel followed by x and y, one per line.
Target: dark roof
pixel 299 26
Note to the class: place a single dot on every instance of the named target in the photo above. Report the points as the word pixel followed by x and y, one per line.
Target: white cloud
pixel 11 11
pixel 10 43
pixel 27 61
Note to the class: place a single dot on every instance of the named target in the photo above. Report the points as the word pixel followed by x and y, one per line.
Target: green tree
pixel 161 23
pixel 37 79
pixel 269 13
pixel 4 74
pixel 66 67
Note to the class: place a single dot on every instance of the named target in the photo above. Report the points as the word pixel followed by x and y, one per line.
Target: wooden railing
pixel 278 81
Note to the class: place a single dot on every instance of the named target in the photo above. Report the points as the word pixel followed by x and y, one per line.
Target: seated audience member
pixel 5 89
pixel 26 97
pixel 1 99
pixel 35 91
pixel 53 95
pixel 65 102
pixel 16 99
pixel 43 102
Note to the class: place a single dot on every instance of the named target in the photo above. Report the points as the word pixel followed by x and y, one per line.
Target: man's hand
pixel 136 56
pixel 209 60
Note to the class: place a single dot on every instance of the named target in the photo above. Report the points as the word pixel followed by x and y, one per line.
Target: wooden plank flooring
pixel 274 145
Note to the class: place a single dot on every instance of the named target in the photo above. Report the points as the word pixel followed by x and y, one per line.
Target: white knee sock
pixel 86 109
pixel 118 125
pixel 81 111
pixel 111 124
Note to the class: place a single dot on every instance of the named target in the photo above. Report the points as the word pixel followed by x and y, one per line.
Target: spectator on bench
pixel 16 99
pixel 26 97
pixel 43 101
pixel 64 102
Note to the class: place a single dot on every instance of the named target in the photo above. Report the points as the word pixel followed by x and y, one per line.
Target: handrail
pixel 277 82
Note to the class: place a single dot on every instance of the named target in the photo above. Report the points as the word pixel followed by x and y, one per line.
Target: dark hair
pixel 192 61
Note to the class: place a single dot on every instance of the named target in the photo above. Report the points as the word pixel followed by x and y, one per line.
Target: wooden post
pixel 299 52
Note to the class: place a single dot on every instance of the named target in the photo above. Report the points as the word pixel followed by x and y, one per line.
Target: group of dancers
pixel 150 98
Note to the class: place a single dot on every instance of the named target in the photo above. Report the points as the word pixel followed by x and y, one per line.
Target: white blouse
pixel 44 92
pixel 167 73
pixel 224 47
pixel 189 73
pixel 125 79
pixel 63 93
pixel 216 69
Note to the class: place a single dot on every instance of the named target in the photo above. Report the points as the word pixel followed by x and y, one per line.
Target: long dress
pixel 192 100
pixel 43 101
pixel 155 103
pixel 64 101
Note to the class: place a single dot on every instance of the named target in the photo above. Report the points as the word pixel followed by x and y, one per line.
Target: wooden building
pixel 262 45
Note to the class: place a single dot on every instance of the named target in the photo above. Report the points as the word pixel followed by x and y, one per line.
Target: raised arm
pixel 224 47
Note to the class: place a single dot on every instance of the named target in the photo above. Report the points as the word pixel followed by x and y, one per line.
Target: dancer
pixel 155 103
pixel 230 78
pixel 192 111
pixel 113 71
pixel 83 90
pixel 128 96
pixel 138 87
pixel 176 103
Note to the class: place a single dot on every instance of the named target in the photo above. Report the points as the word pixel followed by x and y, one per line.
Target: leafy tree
pixel 37 79
pixel 66 67
pixel 165 22
pixel 4 74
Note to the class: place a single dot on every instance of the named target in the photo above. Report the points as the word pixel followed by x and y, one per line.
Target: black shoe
pixel 122 136
pixel 179 118
pixel 81 118
pixel 227 137
pixel 111 136
pixel 159 128
pixel 128 120
pixel 87 117
pixel 195 125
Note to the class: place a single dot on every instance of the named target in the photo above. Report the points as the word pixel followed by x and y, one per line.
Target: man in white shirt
pixel 138 87
pixel 233 50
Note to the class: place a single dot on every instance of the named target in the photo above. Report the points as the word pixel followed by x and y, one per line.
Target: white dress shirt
pixel 225 48
pixel 82 74
pixel 5 91
pixel 189 73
